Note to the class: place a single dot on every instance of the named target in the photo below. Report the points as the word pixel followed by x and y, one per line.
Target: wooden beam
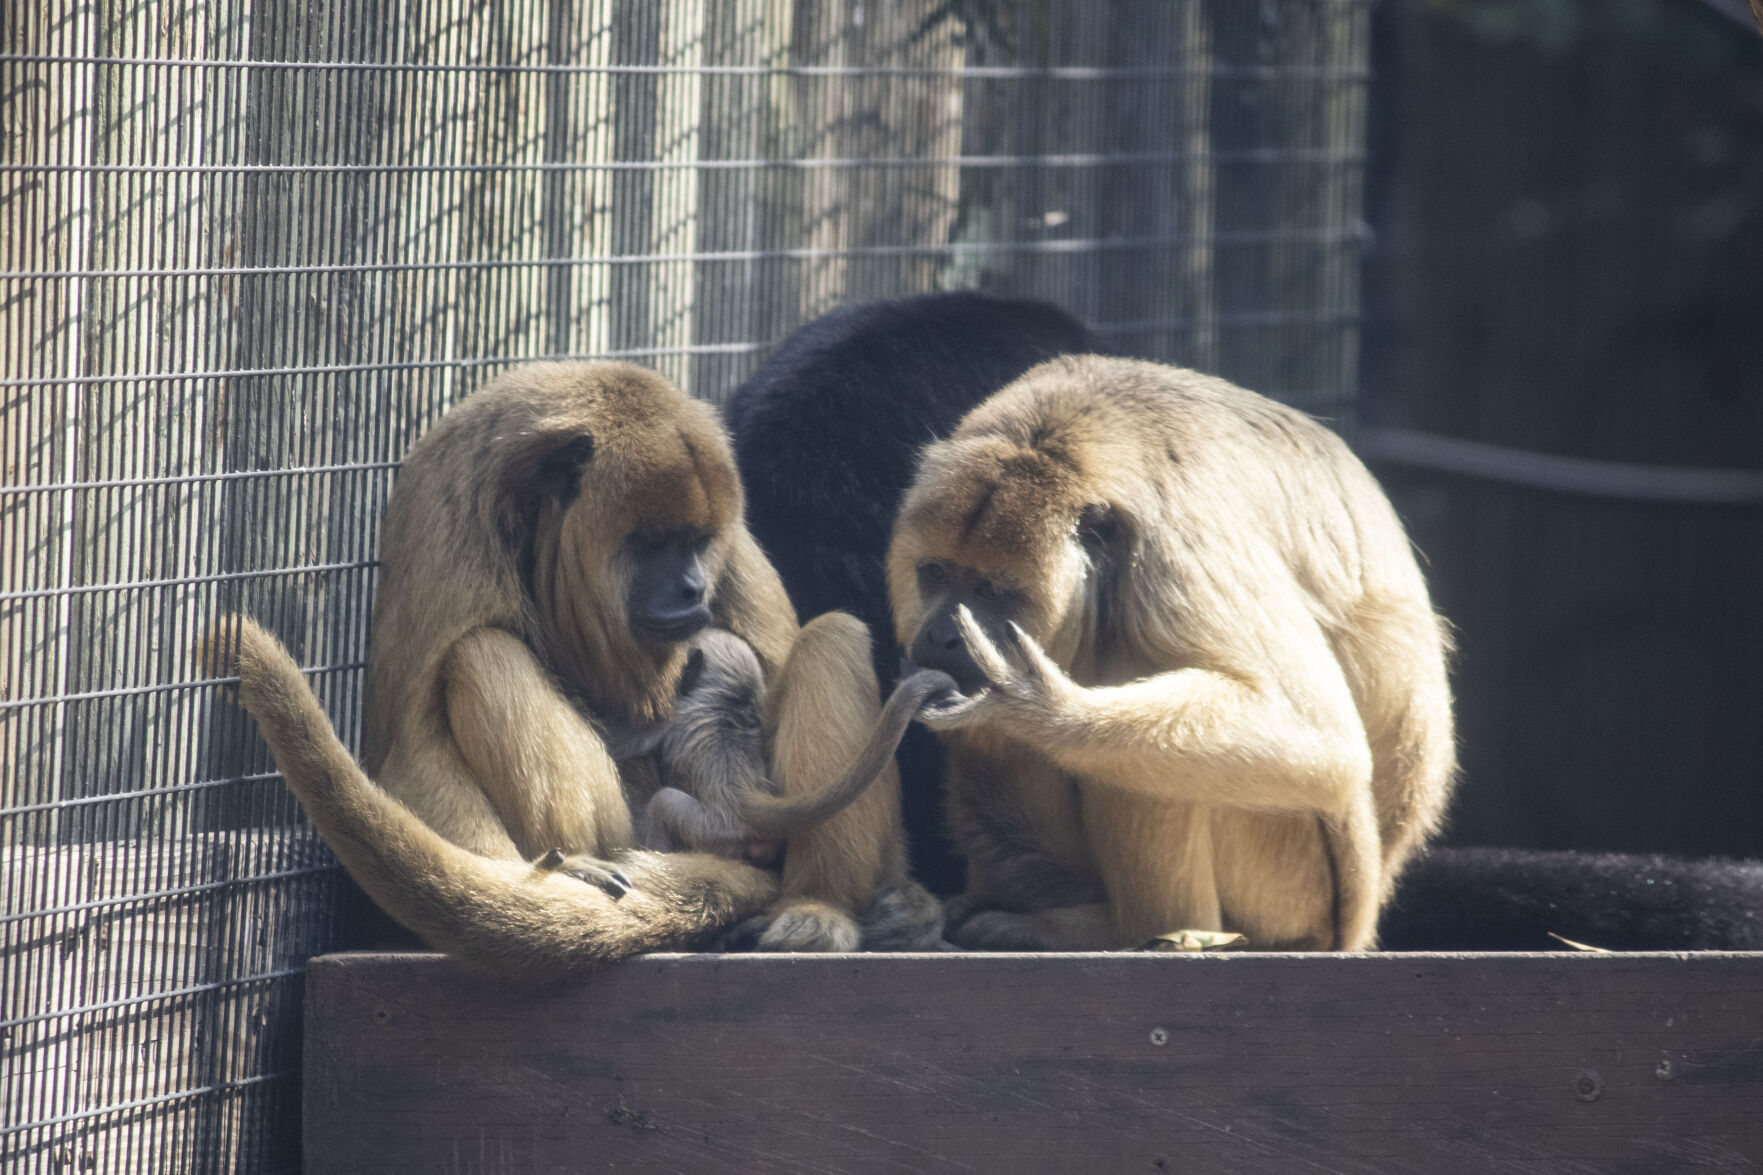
pixel 1041 1063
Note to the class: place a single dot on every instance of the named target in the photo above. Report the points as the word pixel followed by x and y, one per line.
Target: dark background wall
pixel 1567 210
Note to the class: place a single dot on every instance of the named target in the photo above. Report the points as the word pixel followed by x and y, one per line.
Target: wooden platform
pixel 1557 1063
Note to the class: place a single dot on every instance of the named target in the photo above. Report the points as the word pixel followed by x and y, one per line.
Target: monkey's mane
pixel 473 520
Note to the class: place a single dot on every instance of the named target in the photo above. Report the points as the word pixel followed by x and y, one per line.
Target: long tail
pixel 770 817
pixel 508 917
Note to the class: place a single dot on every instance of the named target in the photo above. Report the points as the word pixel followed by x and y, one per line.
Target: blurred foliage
pixel 1682 27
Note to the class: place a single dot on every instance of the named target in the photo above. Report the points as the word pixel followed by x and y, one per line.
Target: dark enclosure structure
pixel 1568 205
pixel 251 250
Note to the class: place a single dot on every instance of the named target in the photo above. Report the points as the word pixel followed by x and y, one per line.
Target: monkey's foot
pixel 796 926
pixel 591 870
pixel 957 910
pixel 999 930
pixel 904 917
pixel 1087 926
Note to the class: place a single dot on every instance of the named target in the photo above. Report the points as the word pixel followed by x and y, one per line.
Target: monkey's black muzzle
pixel 939 645
pixel 671 628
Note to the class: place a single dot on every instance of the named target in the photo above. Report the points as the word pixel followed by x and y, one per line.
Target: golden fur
pixel 498 914
pixel 1217 692
pixel 500 640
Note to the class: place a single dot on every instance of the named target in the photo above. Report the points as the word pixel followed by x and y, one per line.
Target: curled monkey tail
pixel 507 917
pixel 769 817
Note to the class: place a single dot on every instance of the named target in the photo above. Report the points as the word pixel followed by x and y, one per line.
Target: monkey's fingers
pixel 985 654
pixel 934 682
pixel 803 924
pixel 762 854
pixel 1031 661
pixel 1028 684
pixel 594 872
pixel 743 936
pixel 612 881
pixel 943 705
pixel 932 688
pixel 1001 930
pixel 953 710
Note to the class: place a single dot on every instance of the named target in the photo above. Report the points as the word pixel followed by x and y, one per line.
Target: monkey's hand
pixel 591 870
pixel 1024 688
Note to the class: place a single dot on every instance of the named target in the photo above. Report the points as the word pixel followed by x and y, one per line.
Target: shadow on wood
pixel 1270 1063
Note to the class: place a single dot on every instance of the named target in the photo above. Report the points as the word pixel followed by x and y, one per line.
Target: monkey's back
pixel 1230 495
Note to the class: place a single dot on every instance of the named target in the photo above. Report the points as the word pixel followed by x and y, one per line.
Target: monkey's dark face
pixel 668 599
pixel 1054 590
pixel 640 507
pixel 945 586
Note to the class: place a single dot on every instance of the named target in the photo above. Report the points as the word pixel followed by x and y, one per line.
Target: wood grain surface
pixel 1558 1063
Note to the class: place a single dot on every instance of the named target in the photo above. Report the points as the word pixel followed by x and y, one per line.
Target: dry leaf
pixel 1196 940
pixel 1578 946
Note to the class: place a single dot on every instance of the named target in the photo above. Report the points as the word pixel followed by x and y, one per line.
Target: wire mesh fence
pixel 251 250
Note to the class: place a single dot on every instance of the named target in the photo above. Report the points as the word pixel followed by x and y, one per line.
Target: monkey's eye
pixel 932 575
pixel 988 591
pixel 647 541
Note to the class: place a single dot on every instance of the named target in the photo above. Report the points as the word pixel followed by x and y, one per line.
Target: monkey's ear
pixel 560 473
pixel 1098 529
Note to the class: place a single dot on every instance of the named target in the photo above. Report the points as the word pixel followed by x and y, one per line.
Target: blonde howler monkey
pixel 1204 687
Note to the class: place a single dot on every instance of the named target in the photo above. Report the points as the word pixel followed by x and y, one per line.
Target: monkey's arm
pixel 1250 740
pixel 675 820
pixel 543 768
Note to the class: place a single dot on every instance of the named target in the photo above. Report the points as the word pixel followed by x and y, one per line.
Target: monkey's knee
pixel 832 653
pixel 1087 927
pixel 836 630
pixel 999 930
pixel 666 818
pixel 799 926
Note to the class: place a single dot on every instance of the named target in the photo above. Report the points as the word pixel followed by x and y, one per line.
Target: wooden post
pixel 845 119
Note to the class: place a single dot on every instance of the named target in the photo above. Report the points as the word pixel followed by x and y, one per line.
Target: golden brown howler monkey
pixel 1204 686
pixel 496 913
pixel 551 547
pixel 716 792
